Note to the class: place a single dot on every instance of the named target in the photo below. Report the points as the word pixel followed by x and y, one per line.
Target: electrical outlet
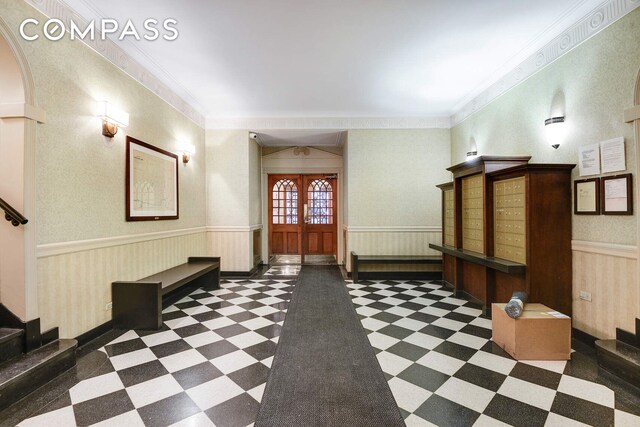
pixel 584 295
pixel 109 306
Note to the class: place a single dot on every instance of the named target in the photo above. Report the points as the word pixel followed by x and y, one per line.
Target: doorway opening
pixel 302 219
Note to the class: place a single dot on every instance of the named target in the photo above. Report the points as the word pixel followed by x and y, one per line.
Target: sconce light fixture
pixel 555 130
pixel 187 151
pixel 112 118
pixel 473 149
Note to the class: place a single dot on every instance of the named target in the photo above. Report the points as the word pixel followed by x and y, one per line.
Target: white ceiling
pixel 338 58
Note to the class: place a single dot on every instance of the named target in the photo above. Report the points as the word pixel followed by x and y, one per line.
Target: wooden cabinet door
pixel 320 198
pixel 285 219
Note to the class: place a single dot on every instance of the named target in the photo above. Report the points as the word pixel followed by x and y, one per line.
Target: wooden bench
pixel 357 260
pixel 138 305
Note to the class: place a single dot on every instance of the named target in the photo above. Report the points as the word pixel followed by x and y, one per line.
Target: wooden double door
pixel 303 215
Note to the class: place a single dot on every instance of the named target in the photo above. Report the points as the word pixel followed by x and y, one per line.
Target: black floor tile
pixel 424 377
pixel 386 317
pixel 124 347
pixel 141 373
pixel 188 304
pixel 455 350
pixel 412 306
pixel 445 413
pixel 251 376
pixel 407 350
pixel 101 408
pixel 536 375
pixel 514 412
pixel 261 351
pixel 482 377
pixel 237 412
pixel 437 331
pixel 169 348
pixel 464 318
pixel 216 349
pixel 477 331
pixel 187 331
pixel 270 331
pixel 423 317
pixel 241 317
pixel 395 331
pixel 168 411
pixel 173 315
pixel 209 315
pixel 444 306
pixel 583 410
pixel 231 331
pixel 196 375
pixel 380 306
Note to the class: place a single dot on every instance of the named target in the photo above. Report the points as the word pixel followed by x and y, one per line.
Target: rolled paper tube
pixel 515 306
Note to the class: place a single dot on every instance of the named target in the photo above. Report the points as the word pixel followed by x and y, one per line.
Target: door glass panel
pixel 320 198
pixel 285 202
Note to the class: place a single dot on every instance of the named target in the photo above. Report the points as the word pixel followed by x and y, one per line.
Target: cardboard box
pixel 541 333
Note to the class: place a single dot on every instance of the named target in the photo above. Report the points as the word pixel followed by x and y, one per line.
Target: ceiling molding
pixel 596 21
pixel 329 123
pixel 112 52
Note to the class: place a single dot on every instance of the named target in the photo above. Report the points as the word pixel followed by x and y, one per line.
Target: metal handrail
pixel 12 215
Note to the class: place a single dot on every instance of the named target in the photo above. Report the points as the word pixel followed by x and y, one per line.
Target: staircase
pixel 621 356
pixel 21 373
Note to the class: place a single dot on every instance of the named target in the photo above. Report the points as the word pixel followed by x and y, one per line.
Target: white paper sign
pixel 615 191
pixel 612 155
pixel 589 159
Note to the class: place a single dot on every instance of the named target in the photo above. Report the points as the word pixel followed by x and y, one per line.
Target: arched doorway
pixel 18 118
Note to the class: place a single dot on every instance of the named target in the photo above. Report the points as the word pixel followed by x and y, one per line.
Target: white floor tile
pixel 153 390
pixel 453 301
pixel 129 335
pixel 392 301
pixel 400 311
pixel 132 358
pixel 555 420
pixel 467 340
pixel 529 393
pixel 210 300
pixel 181 322
pixel 587 390
pixel 59 418
pixel 466 394
pixel 434 311
pixel 415 421
pixel 454 325
pixel 408 396
pixel 247 292
pixel 214 392
pixel 160 338
pixel 270 300
pixel 182 360
pixel 411 324
pixel 491 361
pixel 486 421
pixel 129 419
pixel 247 339
pixel 381 341
pixel 95 387
pixel 483 323
pixel 231 362
pixel 442 293
pixel 625 419
pixel 257 392
pixel 228 311
pixel 557 366
pixel 267 362
pixel 362 301
pixel 468 311
pixel 204 338
pixel 256 323
pixel 264 311
pixel 218 323
pixel 197 420
pixel 196 310
pixel 373 324
pixel 239 300
pixel 391 363
pixel 424 301
pixel 441 362
pixel 423 340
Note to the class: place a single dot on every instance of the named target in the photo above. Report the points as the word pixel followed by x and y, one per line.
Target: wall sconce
pixel 187 151
pixel 112 118
pixel 473 149
pixel 555 130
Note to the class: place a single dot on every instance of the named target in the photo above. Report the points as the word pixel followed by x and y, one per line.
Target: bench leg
pixel 136 305
pixel 354 267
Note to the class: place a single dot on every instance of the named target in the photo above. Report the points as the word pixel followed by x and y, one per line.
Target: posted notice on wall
pixel 589 159
pixel 612 155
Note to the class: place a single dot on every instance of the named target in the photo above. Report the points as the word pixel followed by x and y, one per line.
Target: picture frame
pixel 616 195
pixel 586 196
pixel 151 184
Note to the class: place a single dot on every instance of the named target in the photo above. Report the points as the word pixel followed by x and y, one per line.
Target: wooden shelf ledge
pixel 502 265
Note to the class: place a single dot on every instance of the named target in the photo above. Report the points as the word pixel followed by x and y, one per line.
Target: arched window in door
pixel 285 202
pixel 320 202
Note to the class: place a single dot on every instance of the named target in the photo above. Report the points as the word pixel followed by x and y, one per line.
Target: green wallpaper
pixel 597 80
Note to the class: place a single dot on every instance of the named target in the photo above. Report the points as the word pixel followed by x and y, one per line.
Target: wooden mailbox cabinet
pixel 507 227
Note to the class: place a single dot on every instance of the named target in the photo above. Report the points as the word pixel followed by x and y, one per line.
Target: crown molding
pixel 121 59
pixel 329 123
pixel 597 20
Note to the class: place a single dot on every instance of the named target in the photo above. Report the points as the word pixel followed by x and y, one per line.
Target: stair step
pixel 21 376
pixel 627 337
pixel 620 359
pixel 10 343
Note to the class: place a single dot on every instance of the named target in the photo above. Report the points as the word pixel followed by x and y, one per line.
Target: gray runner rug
pixel 325 372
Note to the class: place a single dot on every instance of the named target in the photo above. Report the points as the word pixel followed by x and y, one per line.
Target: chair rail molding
pixel 601 248
pixel 394 229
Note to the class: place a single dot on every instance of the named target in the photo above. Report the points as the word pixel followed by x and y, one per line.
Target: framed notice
pixel 586 197
pixel 151 182
pixel 616 195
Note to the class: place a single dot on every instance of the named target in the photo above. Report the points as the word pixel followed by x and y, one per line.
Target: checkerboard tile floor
pixel 207 366
pixel 443 369
pixel 283 270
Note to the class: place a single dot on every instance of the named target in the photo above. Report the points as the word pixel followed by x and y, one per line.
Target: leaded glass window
pixel 285 202
pixel 320 202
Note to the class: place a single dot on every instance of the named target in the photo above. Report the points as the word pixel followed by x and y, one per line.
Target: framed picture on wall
pixel 616 195
pixel 586 196
pixel 151 182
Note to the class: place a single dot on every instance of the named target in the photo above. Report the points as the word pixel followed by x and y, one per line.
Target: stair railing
pixel 12 215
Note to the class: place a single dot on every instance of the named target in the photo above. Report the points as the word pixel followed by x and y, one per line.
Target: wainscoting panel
pixel 233 247
pixel 609 273
pixel 75 288
pixel 392 241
